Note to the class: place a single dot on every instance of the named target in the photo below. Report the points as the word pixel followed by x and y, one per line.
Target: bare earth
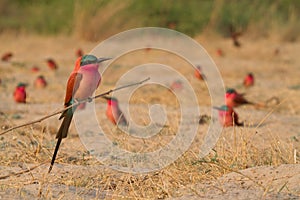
pixel 258 161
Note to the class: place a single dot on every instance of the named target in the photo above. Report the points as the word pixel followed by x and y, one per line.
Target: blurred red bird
pixel 20 93
pixel 52 64
pixel 82 83
pixel 35 69
pixel 81 106
pixel 198 73
pixel 6 57
pixel 220 52
pixel 113 112
pixel 249 80
pixel 234 36
pixel 40 82
pixel 228 117
pixel 234 99
pixel 176 85
pixel 79 52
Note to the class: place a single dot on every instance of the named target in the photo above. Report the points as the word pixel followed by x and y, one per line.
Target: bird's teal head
pixel 230 90
pixel 21 85
pixel 91 59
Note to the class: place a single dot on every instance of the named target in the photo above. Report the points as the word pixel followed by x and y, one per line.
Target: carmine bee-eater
pixel 35 69
pixel 228 117
pixel 20 93
pixel 220 52
pixel 40 82
pixel 176 85
pixel 198 73
pixel 234 99
pixel 51 64
pixel 234 36
pixel 81 84
pixel 113 112
pixel 79 52
pixel 249 80
pixel 6 56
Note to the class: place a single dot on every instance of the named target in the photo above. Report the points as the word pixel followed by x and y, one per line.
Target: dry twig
pixel 74 104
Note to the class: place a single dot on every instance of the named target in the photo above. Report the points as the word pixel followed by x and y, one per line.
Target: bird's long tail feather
pixel 62 133
pixel 54 154
pixel 64 127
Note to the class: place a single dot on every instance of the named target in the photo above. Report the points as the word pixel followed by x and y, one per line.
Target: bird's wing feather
pixel 72 86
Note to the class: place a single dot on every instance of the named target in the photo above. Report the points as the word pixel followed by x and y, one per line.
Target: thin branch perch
pixel 74 104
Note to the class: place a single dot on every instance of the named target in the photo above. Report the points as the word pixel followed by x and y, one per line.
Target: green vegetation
pixel 91 18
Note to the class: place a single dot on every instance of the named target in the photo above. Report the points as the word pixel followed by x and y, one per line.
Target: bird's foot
pixel 89 99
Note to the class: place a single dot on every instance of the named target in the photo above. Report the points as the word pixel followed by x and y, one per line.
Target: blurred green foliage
pixel 188 16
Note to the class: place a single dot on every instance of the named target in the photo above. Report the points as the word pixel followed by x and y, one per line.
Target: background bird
pixel 219 52
pixel 40 82
pixel 20 93
pixel 234 36
pixel 6 57
pixel 228 117
pixel 81 106
pixel 35 68
pixel 234 99
pixel 114 113
pixel 198 73
pixel 249 80
pixel 52 64
pixel 81 84
pixel 79 52
pixel 176 85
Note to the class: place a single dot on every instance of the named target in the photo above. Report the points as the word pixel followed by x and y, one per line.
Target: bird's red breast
pixel 20 94
pixel 40 82
pixel 249 80
pixel 228 117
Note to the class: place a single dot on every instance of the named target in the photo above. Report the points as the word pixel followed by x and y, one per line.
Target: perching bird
pixel 198 73
pixel 113 112
pixel 52 64
pixel 227 116
pixel 35 69
pixel 79 52
pixel 81 84
pixel 20 93
pixel 234 36
pixel 7 56
pixel 249 80
pixel 234 99
pixel 220 52
pixel 40 82
pixel 176 85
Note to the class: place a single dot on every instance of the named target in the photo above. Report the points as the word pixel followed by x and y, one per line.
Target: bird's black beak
pixel 99 60
pixel 217 108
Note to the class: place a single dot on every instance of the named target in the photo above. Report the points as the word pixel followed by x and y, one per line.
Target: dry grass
pixel 237 149
pixel 231 154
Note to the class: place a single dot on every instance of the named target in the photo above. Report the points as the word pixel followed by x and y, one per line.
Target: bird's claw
pixel 89 99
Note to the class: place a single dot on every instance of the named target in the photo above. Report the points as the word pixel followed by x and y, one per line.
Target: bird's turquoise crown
pixel 91 59
pixel 230 90
pixel 88 59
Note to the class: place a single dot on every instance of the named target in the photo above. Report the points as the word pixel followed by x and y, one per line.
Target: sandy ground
pixel 274 127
